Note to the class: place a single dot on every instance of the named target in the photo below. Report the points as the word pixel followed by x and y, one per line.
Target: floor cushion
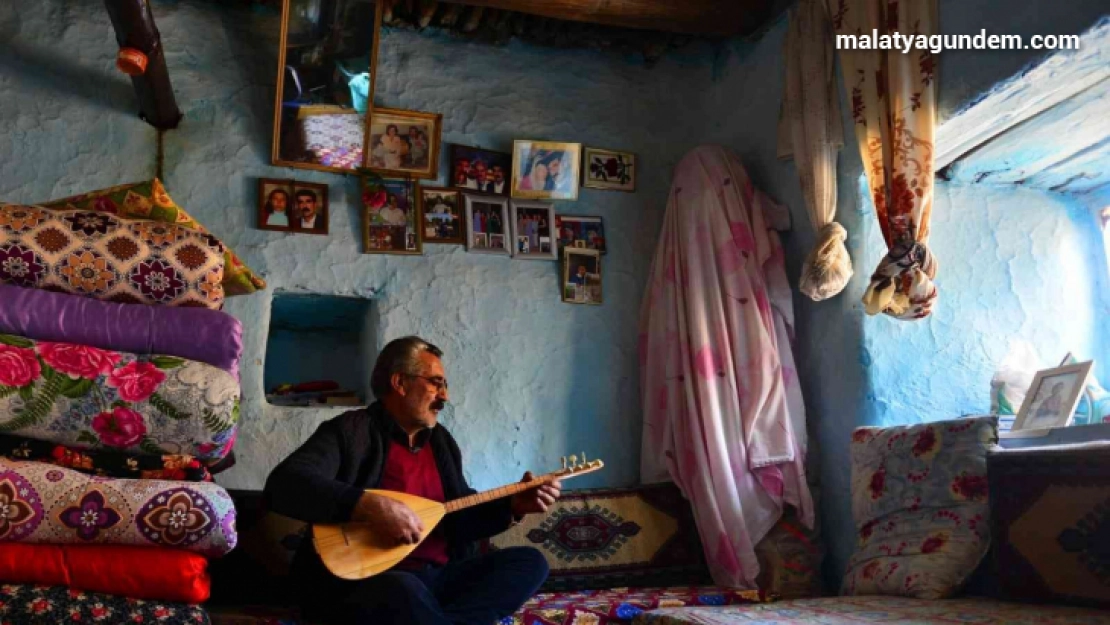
pixel 106 463
pixel 874 609
pixel 149 200
pixel 23 604
pixel 919 499
pixel 100 256
pixel 621 605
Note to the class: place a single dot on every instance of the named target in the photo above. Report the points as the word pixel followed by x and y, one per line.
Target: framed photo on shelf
pixel 608 169
pixel 404 143
pixel 581 276
pixel 581 232
pixel 476 169
pixel 391 219
pixel 443 215
pixel 545 170
pixel 292 206
pixel 534 235
pixel 1052 398
pixel 487 224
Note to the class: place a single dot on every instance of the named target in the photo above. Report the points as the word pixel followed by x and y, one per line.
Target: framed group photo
pixel 404 143
pixel 581 283
pixel 487 219
pixel 292 206
pixel 608 169
pixel 443 215
pixel 391 222
pixel 481 170
pixel 581 232
pixel 534 230
pixel 545 170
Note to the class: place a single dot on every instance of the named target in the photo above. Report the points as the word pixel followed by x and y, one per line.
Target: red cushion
pixel 137 572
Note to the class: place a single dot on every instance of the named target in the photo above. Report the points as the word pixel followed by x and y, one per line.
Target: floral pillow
pixel 919 498
pixel 149 200
pixel 97 255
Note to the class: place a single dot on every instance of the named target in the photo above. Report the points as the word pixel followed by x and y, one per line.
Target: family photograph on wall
pixel 480 170
pixel 391 217
pixel 581 276
pixel 580 232
pixel 292 206
pixel 545 170
pixel 443 221
pixel 404 143
pixel 488 229
pixel 533 230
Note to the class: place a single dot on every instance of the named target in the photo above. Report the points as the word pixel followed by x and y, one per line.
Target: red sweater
pixel 415 473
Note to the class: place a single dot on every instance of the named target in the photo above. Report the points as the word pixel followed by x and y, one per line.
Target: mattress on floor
pixel 886 610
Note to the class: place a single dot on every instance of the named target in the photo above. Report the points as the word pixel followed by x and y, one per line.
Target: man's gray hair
pixel 399 356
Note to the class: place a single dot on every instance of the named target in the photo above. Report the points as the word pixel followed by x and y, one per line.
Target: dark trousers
pixel 474 591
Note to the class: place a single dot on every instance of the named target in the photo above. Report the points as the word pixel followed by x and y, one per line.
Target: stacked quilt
pixel 119 399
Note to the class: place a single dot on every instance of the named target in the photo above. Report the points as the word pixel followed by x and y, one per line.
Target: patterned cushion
pixel 50 605
pixel 106 463
pixel 1050 509
pixel 886 610
pixel 100 256
pixel 919 498
pixel 93 398
pixel 614 537
pixel 149 200
pixel 621 605
pixel 44 504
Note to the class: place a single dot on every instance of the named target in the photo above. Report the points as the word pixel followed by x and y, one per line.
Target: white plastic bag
pixel 1013 378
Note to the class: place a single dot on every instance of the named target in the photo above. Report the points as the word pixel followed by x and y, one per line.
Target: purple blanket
pixel 199 334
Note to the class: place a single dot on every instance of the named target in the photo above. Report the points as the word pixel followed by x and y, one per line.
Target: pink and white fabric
pixel 723 415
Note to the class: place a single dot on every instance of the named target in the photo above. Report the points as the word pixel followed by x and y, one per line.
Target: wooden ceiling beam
pixel 723 18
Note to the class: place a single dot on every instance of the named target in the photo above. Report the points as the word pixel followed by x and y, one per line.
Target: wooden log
pixel 134 26
pixel 692 17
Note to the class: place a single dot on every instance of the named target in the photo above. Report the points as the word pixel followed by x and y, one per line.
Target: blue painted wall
pixel 532 378
pixel 1014 263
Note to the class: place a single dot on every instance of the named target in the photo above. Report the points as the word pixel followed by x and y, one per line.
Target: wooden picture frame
pixel 443 212
pixel 392 220
pixel 284 203
pixel 287 113
pixel 1052 399
pixel 581 281
pixel 534 234
pixel 608 169
pixel 545 170
pixel 492 212
pixel 462 175
pixel 396 153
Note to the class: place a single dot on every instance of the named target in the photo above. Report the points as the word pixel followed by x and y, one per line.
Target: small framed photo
pixel 581 232
pixel 545 170
pixel 391 222
pixel 534 234
pixel 607 169
pixel 487 219
pixel 404 143
pixel 481 170
pixel 581 276
pixel 443 215
pixel 1052 398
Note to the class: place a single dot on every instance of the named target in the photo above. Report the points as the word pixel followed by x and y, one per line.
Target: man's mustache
pixel 439 404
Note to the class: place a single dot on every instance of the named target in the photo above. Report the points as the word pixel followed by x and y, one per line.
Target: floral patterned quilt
pixel 620 605
pixel 50 605
pixel 91 398
pixel 886 610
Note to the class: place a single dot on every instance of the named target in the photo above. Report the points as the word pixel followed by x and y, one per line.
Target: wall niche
pixel 320 350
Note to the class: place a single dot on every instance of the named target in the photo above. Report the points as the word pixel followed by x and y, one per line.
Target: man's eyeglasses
pixel 438 382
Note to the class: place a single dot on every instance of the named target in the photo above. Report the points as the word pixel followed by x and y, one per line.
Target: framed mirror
pixel 325 85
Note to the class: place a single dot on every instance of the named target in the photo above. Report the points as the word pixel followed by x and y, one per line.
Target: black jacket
pixel 322 481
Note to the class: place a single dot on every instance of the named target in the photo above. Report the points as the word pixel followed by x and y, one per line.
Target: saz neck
pixel 497 493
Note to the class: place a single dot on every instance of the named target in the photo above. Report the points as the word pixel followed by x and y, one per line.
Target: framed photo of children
pixel 1052 398
pixel 545 170
pixel 404 143
pixel 487 219
pixel 292 206
pixel 480 170
pixel 534 231
pixel 391 222
pixel 606 169
pixel 581 276
pixel 443 221
pixel 580 232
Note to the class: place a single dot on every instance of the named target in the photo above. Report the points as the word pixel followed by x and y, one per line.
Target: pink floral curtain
pixel 723 413
pixel 894 108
